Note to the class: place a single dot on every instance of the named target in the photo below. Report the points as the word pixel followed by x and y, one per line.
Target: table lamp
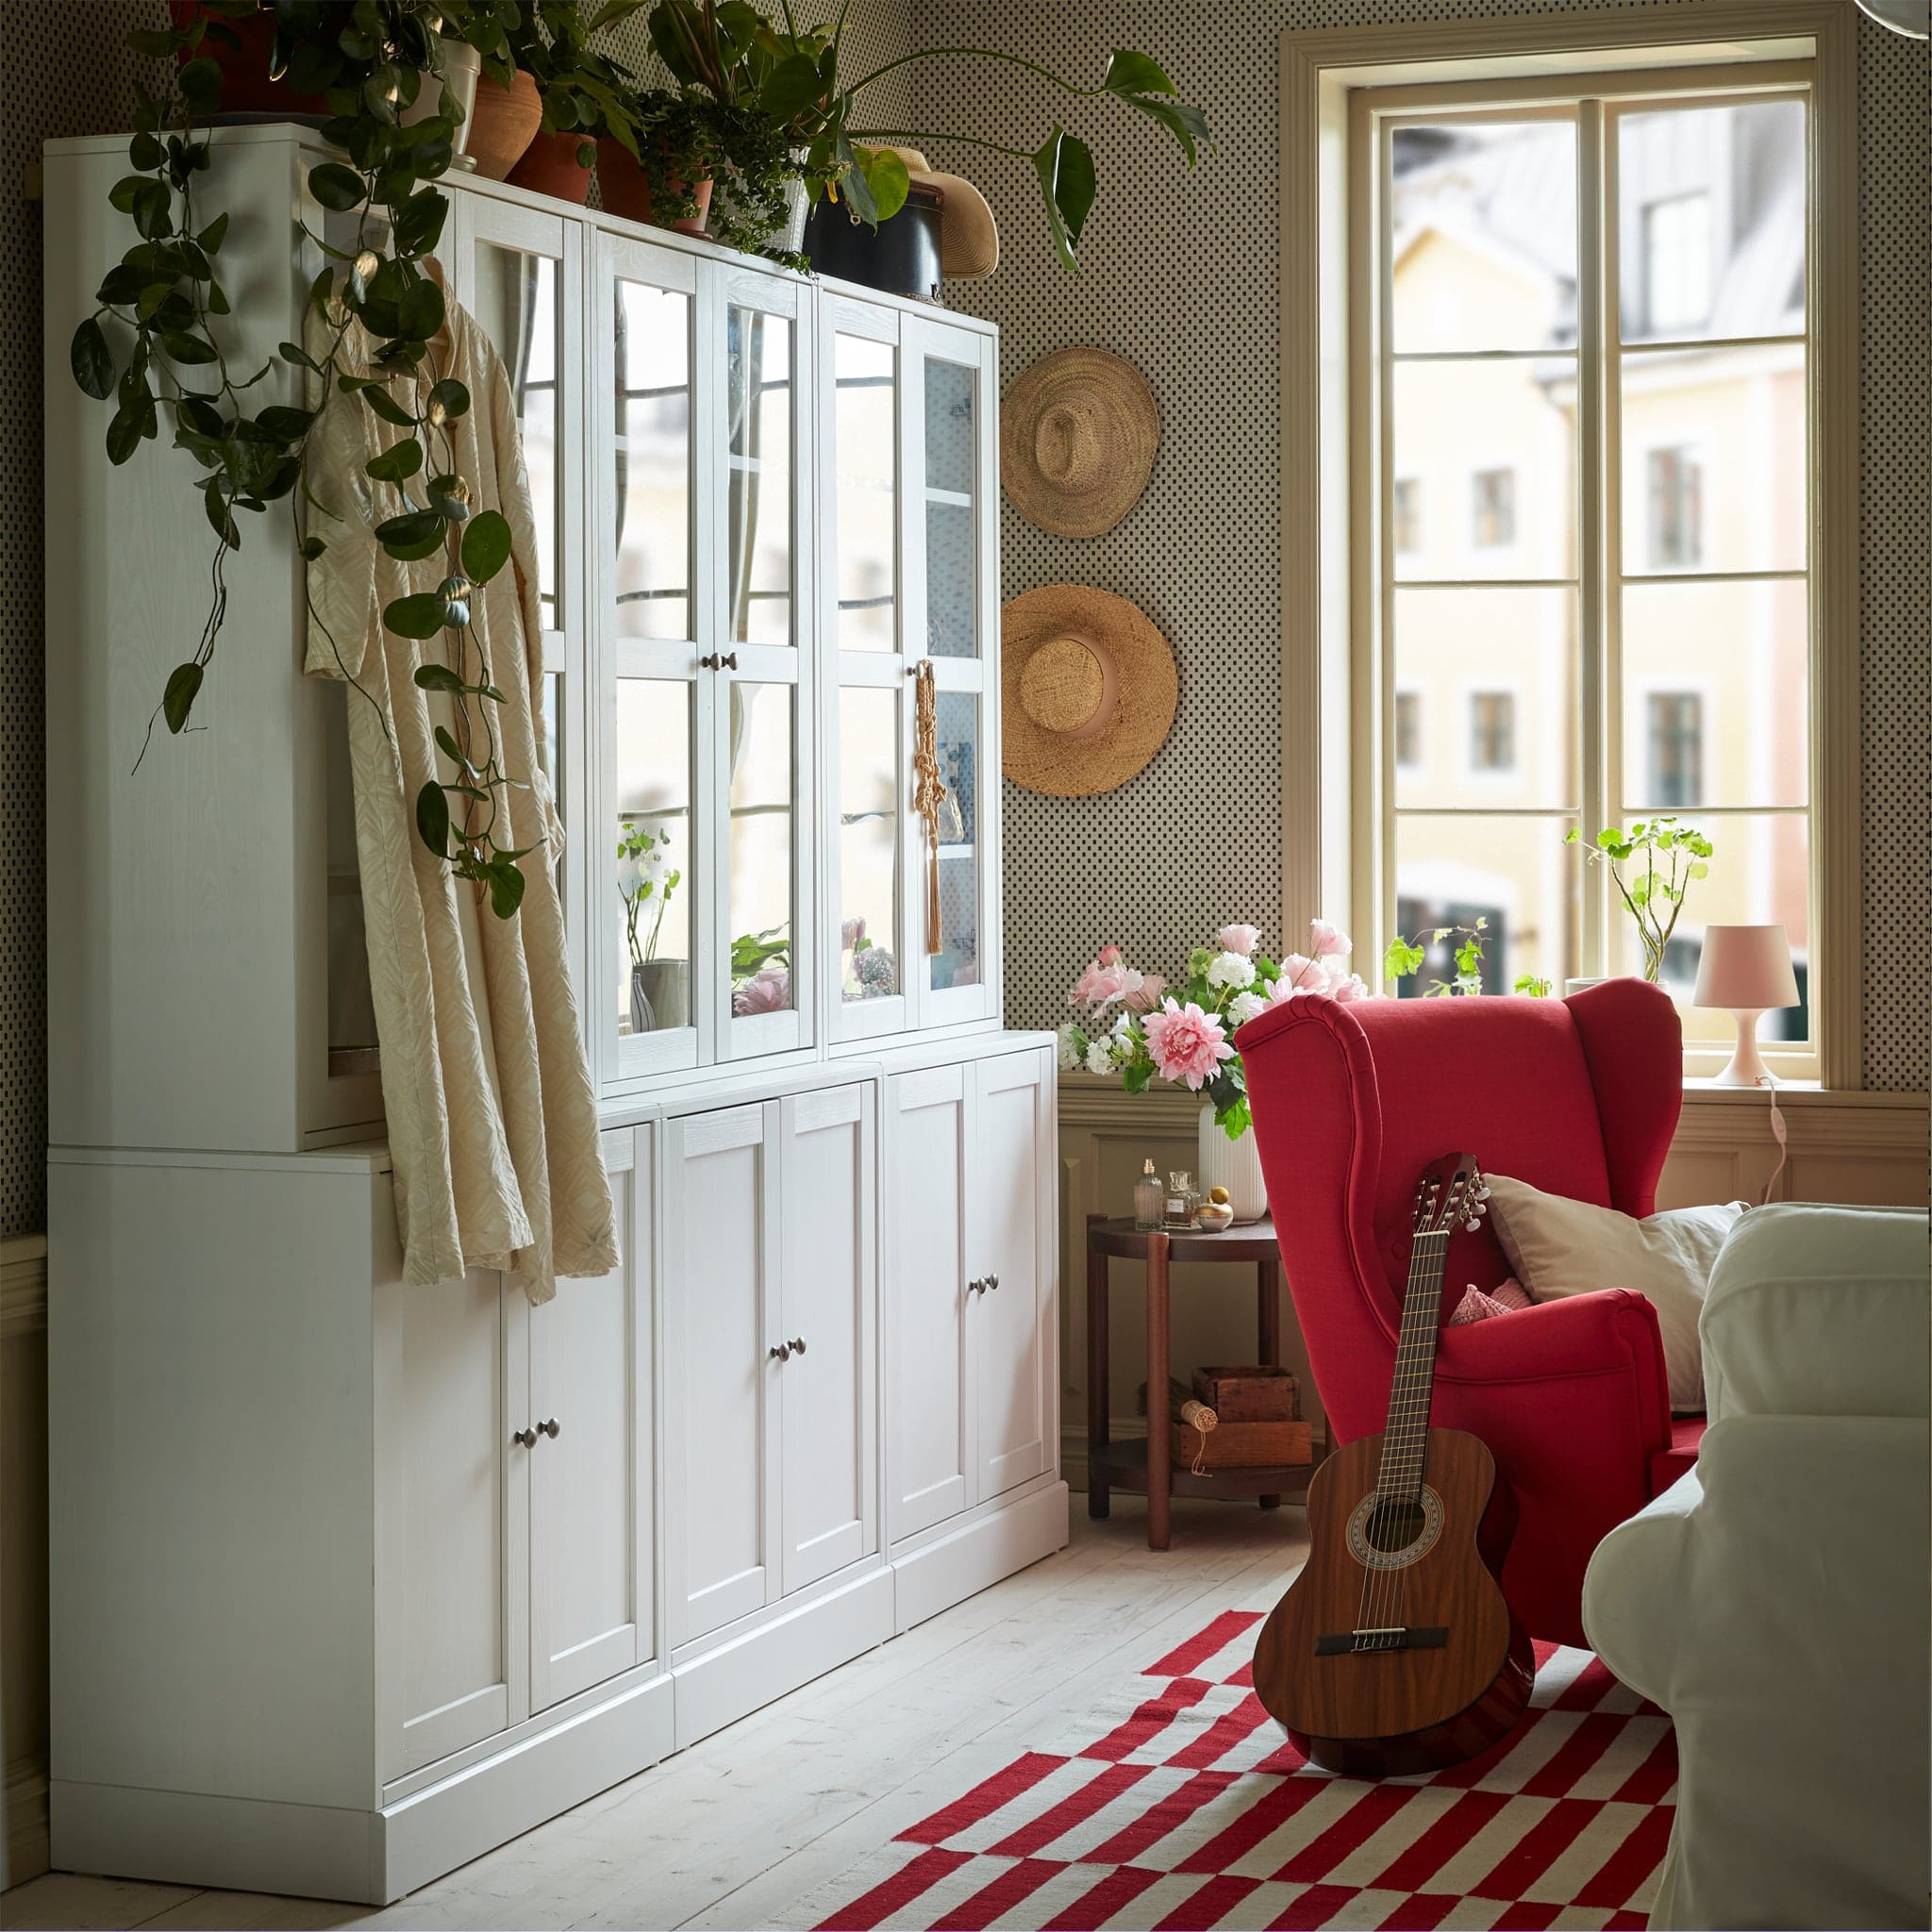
pixel 1746 970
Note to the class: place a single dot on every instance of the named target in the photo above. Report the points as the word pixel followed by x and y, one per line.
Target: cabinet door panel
pixel 457 1499
pixel 828 1299
pixel 928 1133
pixel 721 1206
pixel 1010 1242
pixel 586 1364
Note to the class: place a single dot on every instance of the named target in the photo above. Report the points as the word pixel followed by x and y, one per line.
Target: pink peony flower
pixel 768 991
pixel 1144 997
pixel 1351 987
pixel 1110 955
pixel 1328 940
pixel 1299 974
pixel 1239 939
pixel 1186 1043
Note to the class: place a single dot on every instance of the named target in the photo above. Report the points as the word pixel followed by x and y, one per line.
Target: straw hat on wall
pixel 1078 432
pixel 1088 690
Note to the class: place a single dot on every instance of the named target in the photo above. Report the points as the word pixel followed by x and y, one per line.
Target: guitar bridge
pixel 1388 1637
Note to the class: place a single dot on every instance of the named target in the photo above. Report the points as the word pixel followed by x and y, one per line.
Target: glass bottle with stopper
pixel 1147 1199
pixel 1181 1199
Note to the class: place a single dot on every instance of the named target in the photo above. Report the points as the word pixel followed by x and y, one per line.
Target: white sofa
pixel 1775 1601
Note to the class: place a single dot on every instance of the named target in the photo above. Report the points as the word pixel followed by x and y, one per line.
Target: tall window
pixel 1563 290
pixel 1409 514
pixel 1408 729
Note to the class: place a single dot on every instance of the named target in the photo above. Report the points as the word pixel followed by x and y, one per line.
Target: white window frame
pixel 1335 832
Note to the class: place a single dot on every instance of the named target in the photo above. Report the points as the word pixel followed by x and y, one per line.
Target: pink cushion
pixel 1506 1298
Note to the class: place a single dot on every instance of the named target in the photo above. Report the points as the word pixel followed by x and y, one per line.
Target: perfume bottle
pixel 1147 1199
pixel 1179 1202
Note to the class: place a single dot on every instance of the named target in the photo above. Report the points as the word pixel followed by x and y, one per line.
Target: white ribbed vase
pixel 1234 1165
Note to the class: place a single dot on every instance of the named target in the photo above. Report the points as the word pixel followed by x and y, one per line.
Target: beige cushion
pixel 1558 1246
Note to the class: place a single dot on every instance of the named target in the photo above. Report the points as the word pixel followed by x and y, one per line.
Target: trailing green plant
pixel 367 59
pixel 791 76
pixel 582 90
pixel 1403 956
pixel 1655 896
pixel 687 136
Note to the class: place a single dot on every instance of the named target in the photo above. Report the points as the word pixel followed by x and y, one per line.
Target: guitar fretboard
pixel 1404 1441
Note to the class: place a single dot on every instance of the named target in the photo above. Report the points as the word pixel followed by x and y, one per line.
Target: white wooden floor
pixel 732 1831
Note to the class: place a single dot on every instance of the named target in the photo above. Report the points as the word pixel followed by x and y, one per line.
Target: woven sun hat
pixel 969 242
pixel 1088 690
pixel 1077 435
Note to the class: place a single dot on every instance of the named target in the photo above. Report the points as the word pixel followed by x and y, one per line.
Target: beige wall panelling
pixel 1182 274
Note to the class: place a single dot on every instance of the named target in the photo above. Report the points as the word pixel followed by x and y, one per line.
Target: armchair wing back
pixel 1579 1097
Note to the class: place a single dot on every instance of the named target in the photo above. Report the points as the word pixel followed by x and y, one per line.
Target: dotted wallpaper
pixel 1182 274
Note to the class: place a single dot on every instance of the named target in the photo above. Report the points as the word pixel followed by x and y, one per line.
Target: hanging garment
pixel 492 1122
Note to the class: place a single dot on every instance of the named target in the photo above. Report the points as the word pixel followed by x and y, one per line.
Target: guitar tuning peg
pixel 1472 1225
pixel 1482 1193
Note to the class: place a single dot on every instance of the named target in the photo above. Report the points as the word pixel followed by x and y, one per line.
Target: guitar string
pixel 1373 1578
pixel 1419 1324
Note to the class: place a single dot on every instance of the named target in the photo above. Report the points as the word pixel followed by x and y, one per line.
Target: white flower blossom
pixel 1243 1007
pixel 1231 969
pixel 1099 1058
pixel 1071 1046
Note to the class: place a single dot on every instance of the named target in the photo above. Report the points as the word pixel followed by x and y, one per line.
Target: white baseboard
pixel 24 1848
pixel 939 1575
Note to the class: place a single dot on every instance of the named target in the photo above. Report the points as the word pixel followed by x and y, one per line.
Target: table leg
pixel 1156 1393
pixel 1268 1297
pixel 1097 1398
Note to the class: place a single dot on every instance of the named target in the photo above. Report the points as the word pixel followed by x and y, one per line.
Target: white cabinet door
pixel 454 1515
pixel 591 1573
pixel 827 1295
pixel 721 1206
pixel 929 1464
pixel 1010 1250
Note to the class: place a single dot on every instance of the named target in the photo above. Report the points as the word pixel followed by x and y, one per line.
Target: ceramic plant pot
pixel 550 166
pixel 659 995
pixel 1234 1165
pixel 502 125
pixel 627 190
pixel 901 257
pixel 462 67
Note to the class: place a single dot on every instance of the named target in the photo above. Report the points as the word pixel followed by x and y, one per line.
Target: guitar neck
pixel 1405 1440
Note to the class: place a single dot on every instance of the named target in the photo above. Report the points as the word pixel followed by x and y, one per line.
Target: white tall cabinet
pixel 354 1580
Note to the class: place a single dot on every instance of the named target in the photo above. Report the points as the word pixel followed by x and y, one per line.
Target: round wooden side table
pixel 1145 1468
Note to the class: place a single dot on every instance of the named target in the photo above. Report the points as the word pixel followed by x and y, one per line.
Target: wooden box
pixel 1250 1394
pixel 1242 1445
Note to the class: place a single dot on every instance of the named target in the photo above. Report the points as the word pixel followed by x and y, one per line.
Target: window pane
pixel 866 454
pixel 518 297
pixel 1715 681
pixel 868 842
pixel 1491 448
pixel 1494 676
pixel 1760 875
pixel 1714 461
pixel 652 463
pixel 1485 235
pixel 952 550
pixel 654 862
pixel 1710 231
pixel 759 402
pixel 957 963
pixel 762 884
pixel 1515 872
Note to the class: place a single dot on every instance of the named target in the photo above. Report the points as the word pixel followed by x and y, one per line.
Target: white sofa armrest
pixel 1818 1311
pixel 1774 1603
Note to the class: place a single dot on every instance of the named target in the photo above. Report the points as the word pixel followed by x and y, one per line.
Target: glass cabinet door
pixel 520 273
pixel 953 590
pixel 759 436
pixel 652 873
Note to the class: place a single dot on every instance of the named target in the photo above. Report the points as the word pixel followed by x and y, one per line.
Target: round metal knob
pixel 552 1428
pixel 526 1437
pixel 780 1353
pixel 975 1287
pixel 992 1281
pixel 798 1346
pixel 728 661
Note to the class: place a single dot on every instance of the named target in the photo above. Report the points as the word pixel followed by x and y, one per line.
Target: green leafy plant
pixel 654 879
pixel 368 59
pixel 1653 897
pixel 793 77
pixel 1533 988
pixel 583 90
pixel 1402 958
pixel 752 951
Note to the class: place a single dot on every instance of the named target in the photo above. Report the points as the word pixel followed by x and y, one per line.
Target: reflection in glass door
pixel 519 300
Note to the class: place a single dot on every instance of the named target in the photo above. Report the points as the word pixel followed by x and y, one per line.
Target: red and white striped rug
pixel 1183 1806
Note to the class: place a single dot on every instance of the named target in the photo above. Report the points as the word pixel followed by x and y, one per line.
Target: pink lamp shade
pixel 1746 970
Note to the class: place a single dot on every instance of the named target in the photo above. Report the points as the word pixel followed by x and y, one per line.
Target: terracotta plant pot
pixel 246 88
pixel 550 166
pixel 627 189
pixel 502 123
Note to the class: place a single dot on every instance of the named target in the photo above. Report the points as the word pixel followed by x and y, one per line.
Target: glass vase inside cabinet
pixel 653 927
pixel 954 582
pixel 762 697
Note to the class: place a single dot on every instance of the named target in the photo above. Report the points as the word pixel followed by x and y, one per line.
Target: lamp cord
pixel 1769 1082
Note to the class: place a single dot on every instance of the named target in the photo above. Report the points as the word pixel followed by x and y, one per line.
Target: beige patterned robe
pixel 492 1122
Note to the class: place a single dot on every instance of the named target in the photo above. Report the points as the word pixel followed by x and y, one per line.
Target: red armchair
pixel 1578 1097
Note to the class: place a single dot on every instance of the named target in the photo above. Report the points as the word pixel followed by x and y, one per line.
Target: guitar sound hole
pixel 1393 1526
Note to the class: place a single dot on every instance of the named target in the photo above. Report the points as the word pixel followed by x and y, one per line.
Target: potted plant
pixel 587 97
pixel 1655 896
pixel 660 988
pixel 669 179
pixel 794 77
pixel 1127 1022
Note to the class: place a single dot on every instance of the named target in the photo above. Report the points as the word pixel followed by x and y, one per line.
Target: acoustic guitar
pixel 1394 1651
